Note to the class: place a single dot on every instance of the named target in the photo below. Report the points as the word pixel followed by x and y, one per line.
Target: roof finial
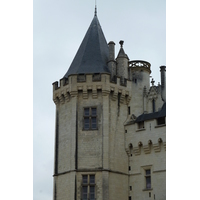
pixel 121 42
pixel 152 82
pixel 95 12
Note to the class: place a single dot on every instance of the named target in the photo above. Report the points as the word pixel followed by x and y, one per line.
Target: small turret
pixel 139 72
pixel 122 63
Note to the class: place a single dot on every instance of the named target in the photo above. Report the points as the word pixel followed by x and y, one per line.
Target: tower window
pixel 90 118
pixel 141 125
pixel 149 194
pixel 148 178
pixel 88 187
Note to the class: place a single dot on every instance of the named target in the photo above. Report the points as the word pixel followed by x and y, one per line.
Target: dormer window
pixel 90 118
pixel 140 125
pixel 161 121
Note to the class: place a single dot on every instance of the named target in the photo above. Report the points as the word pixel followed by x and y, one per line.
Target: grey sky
pixel 58 30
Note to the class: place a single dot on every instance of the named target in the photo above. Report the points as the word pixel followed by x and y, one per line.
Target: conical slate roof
pixel 92 55
pixel 121 53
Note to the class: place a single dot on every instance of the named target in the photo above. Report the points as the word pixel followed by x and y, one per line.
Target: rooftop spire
pixel 95 12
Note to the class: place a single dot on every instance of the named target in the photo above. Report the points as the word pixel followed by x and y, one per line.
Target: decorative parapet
pixel 140 64
pixel 96 77
pixel 147 148
pixel 85 83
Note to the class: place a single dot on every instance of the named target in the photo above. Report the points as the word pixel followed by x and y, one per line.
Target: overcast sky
pixel 58 30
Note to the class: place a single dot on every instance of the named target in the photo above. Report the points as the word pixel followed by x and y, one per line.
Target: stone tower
pixel 94 102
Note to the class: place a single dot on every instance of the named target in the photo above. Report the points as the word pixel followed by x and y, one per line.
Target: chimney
pixel 112 62
pixel 163 82
pixel 111 46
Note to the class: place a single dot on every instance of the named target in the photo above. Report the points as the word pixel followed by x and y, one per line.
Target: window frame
pixel 147 176
pixel 89 185
pixel 140 125
pixel 161 121
pixel 90 117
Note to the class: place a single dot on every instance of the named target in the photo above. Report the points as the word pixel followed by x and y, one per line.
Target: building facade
pixel 110 134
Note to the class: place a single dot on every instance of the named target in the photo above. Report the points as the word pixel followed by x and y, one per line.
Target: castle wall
pixel 118 115
pixel 146 148
pixel 100 152
pixel 89 141
pixel 118 186
pixel 66 136
pixel 64 186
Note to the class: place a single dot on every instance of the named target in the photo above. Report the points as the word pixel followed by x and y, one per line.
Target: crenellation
pixel 96 77
pixel 63 82
pixel 81 78
pixel 55 85
pixel 90 82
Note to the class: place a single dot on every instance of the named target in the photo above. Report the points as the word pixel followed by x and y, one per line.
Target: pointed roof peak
pixel 92 55
pixel 121 51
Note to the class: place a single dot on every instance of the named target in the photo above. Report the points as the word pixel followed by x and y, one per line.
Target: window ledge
pixel 141 129
pixel 90 129
pixel 161 125
pixel 147 189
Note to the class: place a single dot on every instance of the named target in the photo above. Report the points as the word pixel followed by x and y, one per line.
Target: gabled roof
pixel 92 55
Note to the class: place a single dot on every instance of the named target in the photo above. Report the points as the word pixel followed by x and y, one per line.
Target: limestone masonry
pixel 110 132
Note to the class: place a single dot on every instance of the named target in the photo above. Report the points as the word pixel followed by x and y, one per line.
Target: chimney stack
pixel 163 82
pixel 112 62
